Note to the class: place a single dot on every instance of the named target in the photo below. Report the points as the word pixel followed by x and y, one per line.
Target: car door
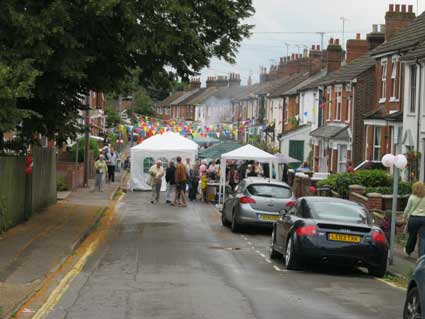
pixel 281 227
pixel 288 221
pixel 233 200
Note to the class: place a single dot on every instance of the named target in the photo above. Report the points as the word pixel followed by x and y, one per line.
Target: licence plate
pixel 344 238
pixel 270 217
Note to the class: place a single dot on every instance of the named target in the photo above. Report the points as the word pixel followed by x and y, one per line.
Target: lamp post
pixel 398 162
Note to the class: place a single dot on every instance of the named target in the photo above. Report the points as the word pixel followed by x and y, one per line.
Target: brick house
pixel 383 124
pixel 346 95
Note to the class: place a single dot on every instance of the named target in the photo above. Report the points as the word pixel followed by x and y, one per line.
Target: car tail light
pixel 246 200
pixel 291 203
pixel 307 231
pixel 379 237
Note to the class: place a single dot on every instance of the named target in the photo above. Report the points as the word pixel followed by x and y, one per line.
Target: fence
pixel 22 195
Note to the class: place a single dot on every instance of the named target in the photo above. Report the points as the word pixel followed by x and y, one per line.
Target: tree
pixel 113 118
pixel 75 46
pixel 142 103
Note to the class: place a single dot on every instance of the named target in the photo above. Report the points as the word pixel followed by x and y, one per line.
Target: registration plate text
pixel 270 217
pixel 344 238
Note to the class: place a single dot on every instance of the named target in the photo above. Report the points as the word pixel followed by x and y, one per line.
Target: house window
pixel 342 158
pixel 393 80
pixel 377 144
pixel 413 89
pixel 338 111
pixel 348 105
pixel 329 105
pixel 384 80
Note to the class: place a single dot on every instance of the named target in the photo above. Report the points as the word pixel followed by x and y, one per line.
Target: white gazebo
pixel 248 153
pixel 165 147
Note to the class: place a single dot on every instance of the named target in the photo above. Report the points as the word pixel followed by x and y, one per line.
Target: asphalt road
pixel 166 262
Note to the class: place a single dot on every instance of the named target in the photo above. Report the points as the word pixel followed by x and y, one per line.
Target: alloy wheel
pixel 413 307
pixel 288 251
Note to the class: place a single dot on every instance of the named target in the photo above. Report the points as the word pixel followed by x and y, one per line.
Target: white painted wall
pixel 302 134
pixel 309 107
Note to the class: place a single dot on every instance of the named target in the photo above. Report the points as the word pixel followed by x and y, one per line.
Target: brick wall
pixel 293 110
pixel 74 175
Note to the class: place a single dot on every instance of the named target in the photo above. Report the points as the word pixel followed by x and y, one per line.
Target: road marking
pixel 390 284
pixel 262 255
pixel 268 261
pixel 249 243
pixel 257 252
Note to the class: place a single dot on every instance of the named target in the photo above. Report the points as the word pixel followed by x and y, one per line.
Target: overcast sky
pixel 293 16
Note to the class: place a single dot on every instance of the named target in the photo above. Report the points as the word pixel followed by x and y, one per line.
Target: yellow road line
pixel 64 284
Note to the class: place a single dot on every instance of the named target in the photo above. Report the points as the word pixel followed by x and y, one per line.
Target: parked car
pixel 256 201
pixel 329 230
pixel 415 298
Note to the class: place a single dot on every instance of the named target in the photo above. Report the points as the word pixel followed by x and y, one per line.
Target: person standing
pixel 258 169
pixel 156 172
pixel 414 215
pixel 194 181
pixel 188 169
pixel 170 178
pixel 111 160
pixel 101 169
pixel 350 167
pixel 181 181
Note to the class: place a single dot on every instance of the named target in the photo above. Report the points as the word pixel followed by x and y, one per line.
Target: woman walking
pixel 414 215
pixel 101 169
pixel 194 181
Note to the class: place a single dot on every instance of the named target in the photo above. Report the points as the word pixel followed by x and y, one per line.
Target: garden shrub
pixel 61 185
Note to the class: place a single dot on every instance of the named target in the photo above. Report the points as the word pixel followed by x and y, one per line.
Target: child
pixel 204 185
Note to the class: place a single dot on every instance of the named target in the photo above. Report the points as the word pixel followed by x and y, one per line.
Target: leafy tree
pixel 113 118
pixel 142 103
pixel 93 146
pixel 68 47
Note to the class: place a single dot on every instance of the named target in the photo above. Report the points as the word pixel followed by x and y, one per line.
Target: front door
pixel 323 158
pixel 342 158
pixel 296 150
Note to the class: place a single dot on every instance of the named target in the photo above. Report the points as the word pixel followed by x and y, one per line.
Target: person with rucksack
pixel 181 182
pixel 194 181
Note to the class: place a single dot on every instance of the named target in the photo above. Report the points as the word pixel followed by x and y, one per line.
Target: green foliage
pixel 369 178
pixel 54 51
pixel 404 188
pixel 93 145
pixel 61 185
pixel 142 103
pixel 112 139
pixel 113 118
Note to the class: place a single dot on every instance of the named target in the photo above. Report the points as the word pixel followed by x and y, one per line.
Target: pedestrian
pixel 212 170
pixel 170 178
pixel 204 185
pixel 259 169
pixel 414 215
pixel 181 182
pixel 250 172
pixel 156 172
pixel 188 167
pixel 233 177
pixel 101 169
pixel 194 180
pixel 111 161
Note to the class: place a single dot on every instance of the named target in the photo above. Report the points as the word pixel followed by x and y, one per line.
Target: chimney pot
pixel 410 8
pixel 331 41
pixel 336 42
pixel 391 8
pixel 397 8
pixel 313 47
pixel 374 28
pixel 403 8
pixel 357 36
pixel 293 56
pixel 318 47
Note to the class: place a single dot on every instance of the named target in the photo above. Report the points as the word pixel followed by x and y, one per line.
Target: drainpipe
pixel 419 105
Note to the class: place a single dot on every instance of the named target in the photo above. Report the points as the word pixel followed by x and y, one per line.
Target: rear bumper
pixel 318 250
pixel 249 216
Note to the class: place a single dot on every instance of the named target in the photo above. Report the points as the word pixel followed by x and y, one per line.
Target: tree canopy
pixel 53 51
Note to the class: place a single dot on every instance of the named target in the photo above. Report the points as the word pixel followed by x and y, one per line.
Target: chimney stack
pixel 195 83
pixel 397 18
pixel 234 79
pixel 376 37
pixel 356 48
pixel 335 53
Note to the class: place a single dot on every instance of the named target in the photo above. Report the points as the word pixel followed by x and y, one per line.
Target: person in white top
pixel 156 172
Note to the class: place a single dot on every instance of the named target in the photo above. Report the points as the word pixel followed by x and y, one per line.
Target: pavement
pixel 33 250
pixel 164 262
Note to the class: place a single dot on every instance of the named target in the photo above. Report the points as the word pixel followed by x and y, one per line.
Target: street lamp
pixel 398 162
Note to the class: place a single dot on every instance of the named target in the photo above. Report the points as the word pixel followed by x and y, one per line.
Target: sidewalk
pixel 30 251
pixel 403 265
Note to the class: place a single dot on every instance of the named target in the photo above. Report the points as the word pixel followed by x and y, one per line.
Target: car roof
pixel 316 199
pixel 263 180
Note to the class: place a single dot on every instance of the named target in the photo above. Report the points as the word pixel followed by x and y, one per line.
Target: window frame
pixel 394 78
pixel 329 103
pixel 377 146
pixel 413 73
pixel 384 69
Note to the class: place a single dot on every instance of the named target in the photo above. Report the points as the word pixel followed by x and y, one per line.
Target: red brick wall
pixel 74 175
pixel 334 167
pixel 293 110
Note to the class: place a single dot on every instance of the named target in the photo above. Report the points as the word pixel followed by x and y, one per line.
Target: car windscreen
pixel 269 190
pixel 340 212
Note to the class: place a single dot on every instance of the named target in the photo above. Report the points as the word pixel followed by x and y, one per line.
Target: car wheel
pixel 378 271
pixel 235 226
pixel 224 220
pixel 289 258
pixel 274 254
pixel 412 306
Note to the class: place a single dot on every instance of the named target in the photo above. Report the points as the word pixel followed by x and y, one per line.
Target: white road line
pixel 268 261
pixel 276 268
pixel 249 243
pixel 257 252
pixel 262 255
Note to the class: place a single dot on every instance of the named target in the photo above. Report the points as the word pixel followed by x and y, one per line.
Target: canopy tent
pixel 217 150
pixel 164 147
pixel 249 153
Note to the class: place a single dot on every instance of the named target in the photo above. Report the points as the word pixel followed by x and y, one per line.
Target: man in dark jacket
pixel 170 178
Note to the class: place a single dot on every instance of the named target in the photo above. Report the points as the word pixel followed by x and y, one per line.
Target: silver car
pixel 256 201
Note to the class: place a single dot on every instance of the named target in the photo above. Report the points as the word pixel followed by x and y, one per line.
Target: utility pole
pixel 86 140
pixel 322 35
pixel 343 31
